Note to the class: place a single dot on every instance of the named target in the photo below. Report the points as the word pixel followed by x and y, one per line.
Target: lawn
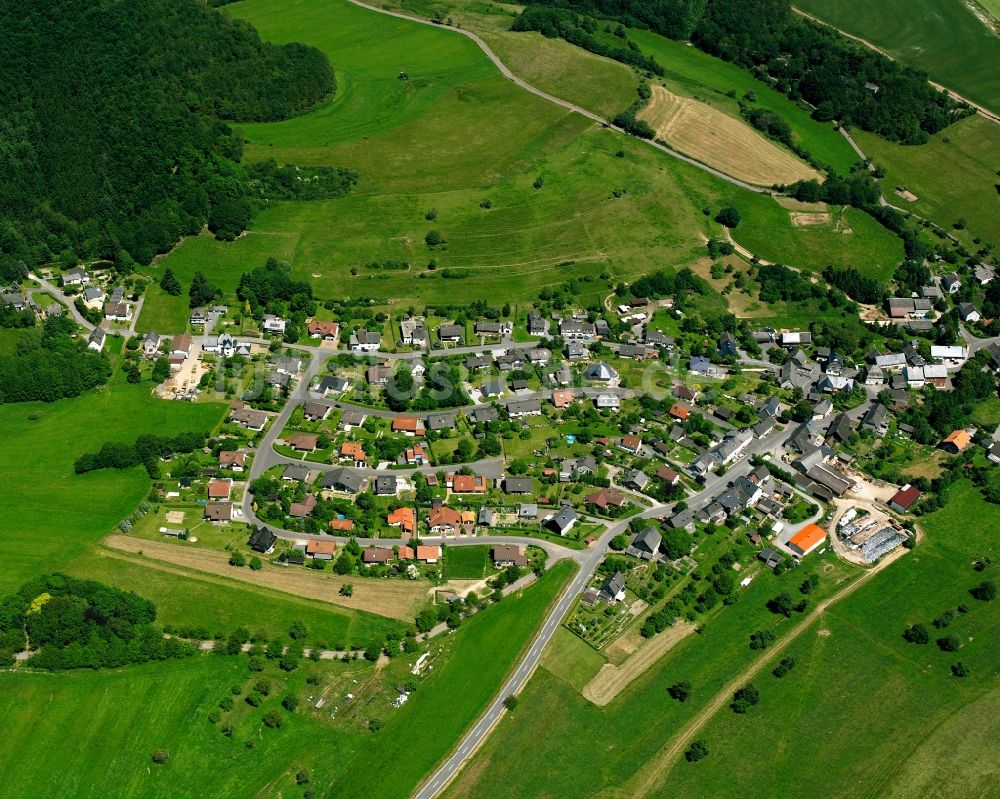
pixel 953 175
pixel 50 514
pixel 930 734
pixel 941 37
pixel 466 563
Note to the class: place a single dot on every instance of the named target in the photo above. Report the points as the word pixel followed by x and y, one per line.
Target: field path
pixel 505 71
pixel 981 110
pixel 653 773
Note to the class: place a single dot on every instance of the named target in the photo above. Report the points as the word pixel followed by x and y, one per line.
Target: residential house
pixel 727 345
pixel 487 517
pixel 539 356
pixel 328 331
pixel 505 555
pixel 613 589
pixel 219 512
pixel 118 311
pixel 408 425
pixel 610 402
pixel 493 388
pixel 606 498
pixel 279 380
pixel 344 481
pixel 518 485
pixel 521 408
pixel 226 346
pixel 564 520
pixel 444 520
pixel 415 455
pixel 235 461
pixel 450 332
pixel 537 326
pixel 491 328
pixel 562 398
pixel 249 419
pixel 631 444
pixel 951 282
pixel 931 293
pixel 198 317
pixel 658 339
pixel 956 441
pixel 668 475
pixel 365 341
pixel 288 366
pixel 316 411
pixel 637 480
pixel 770 557
pixel 353 452
pixel 92 296
pixel 646 544
pixel 350 419
pixel 299 510
pixel 467 483
pixel 378 376
pixel 385 486
pixel 795 338
pixel 699 365
pixel 576 351
pixel 373 556
pixel 302 442
pixel 412 332
pixel 340 525
pixel 876 419
pixel 441 421
pixel 262 540
pixel 96 339
pixel 477 362
pixel 983 273
pixel 968 313
pixel 219 489
pixel 77 276
pixel 428 553
pixel 682 520
pixel 180 346
pixel 600 372
pixel 874 376
pixel 841 428
pixel 679 412
pixel 295 473
pixel 404 518
pixel 274 325
pixel 684 393
pixel 952 355
pixel 579 329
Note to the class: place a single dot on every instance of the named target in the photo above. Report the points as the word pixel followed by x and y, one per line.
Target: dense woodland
pixel 82 624
pixel 49 364
pixel 112 142
pixel 147 451
pixel 839 78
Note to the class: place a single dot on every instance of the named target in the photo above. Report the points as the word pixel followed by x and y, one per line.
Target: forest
pixel 114 139
pixel 76 623
pixel 49 364
pixel 842 80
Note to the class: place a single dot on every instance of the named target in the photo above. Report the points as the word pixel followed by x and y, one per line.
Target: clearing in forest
pixel 721 141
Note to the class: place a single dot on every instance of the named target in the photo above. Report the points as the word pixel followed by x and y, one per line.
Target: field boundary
pixel 611 680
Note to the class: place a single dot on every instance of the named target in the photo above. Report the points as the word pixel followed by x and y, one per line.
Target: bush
pixel 237 559
pixel 434 238
pixel 745 698
pixel 510 703
pixel 761 639
pixel 917 634
pixel 986 591
pixel 374 724
pixel 290 703
pixel 302 777
pixel 696 751
pixel 785 666
pixel 160 756
pixel 729 217
pixel 272 719
pixel 949 643
pixel 959 669
pixel 680 690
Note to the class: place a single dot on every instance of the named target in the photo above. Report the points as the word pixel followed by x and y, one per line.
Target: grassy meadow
pixel 954 176
pixel 886 713
pixel 941 37
pixel 51 515
pixel 861 706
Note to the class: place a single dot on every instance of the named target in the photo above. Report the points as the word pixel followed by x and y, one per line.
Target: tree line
pixel 840 79
pixel 113 143
pixel 50 364
pixel 75 623
pixel 146 451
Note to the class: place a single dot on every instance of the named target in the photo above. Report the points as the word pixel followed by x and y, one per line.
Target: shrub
pixel 986 591
pixel 949 643
pixel 729 216
pixel 160 756
pixel 745 698
pixel 696 751
pixel 302 777
pixel 272 719
pixel 785 666
pixel 917 634
pixel 290 702
pixel 680 690
pixel 510 703
pixel 959 669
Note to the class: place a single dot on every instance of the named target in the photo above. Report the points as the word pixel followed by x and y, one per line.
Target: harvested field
pixel 800 219
pixel 722 141
pixel 611 680
pixel 396 599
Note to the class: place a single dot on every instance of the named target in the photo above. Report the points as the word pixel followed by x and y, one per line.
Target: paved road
pixel 975 344
pixel 588 561
pixel 61 298
pixel 563 103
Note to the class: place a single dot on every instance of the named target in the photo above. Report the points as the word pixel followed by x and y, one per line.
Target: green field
pixel 954 176
pixel 265 613
pixel 941 37
pixel 861 707
pixel 696 74
pixel 466 563
pixel 860 664
pixel 102 726
pixel 51 514
pixel 596 214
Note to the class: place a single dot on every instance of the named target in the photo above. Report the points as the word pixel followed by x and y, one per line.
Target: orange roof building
pixel 341 524
pixel 806 540
pixel 408 424
pixel 354 451
pixel 429 554
pixel 443 519
pixel 562 398
pixel 407 553
pixel 219 489
pixel 467 484
pixel 404 518
pixel 322 550
pixel 956 441
pixel 678 411
pixel 303 442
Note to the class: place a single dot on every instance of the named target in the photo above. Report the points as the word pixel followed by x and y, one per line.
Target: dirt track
pixel 652 773
pixel 721 141
pixel 397 599
pixel 611 680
